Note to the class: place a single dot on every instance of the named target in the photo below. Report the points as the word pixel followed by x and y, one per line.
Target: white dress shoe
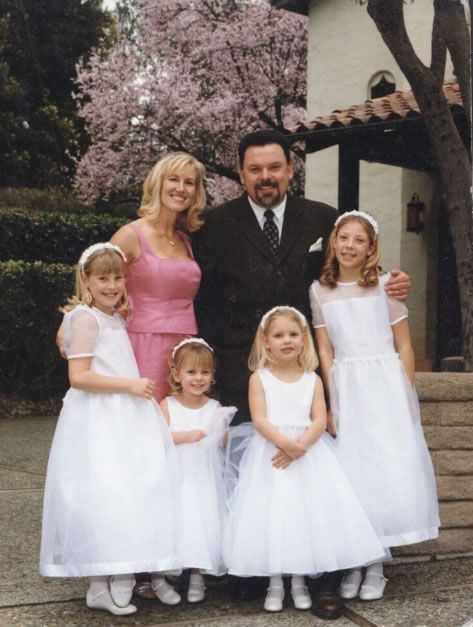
pixel 274 599
pixel 196 590
pixel 121 589
pixel 165 593
pixel 373 587
pixel 104 601
pixel 301 597
pixel 350 585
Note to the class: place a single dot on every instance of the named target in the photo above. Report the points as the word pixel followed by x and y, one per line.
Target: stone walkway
pixel 425 594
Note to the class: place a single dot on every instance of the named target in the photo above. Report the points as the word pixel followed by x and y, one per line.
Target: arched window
pixel 381 84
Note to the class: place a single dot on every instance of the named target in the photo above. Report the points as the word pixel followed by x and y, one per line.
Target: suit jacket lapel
pixel 246 220
pixel 292 226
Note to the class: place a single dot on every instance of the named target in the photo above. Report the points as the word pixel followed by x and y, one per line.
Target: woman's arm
pixel 257 403
pixel 402 340
pixel 128 241
pixel 82 378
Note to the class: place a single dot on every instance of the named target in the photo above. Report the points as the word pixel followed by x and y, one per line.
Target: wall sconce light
pixel 414 208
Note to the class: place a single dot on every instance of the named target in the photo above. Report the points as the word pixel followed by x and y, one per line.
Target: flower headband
pixel 264 319
pixel 359 214
pixel 190 340
pixel 88 252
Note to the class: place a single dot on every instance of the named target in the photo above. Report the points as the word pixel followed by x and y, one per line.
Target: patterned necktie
pixel 271 231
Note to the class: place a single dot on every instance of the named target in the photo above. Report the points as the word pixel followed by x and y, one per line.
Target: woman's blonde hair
pixel 369 271
pixel 190 219
pixel 192 354
pixel 261 357
pixel 103 261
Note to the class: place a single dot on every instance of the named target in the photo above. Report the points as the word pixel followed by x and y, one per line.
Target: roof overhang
pixel 296 6
pixel 387 130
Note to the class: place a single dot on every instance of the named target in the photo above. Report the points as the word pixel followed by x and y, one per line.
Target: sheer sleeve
pixel 397 308
pixel 317 316
pixel 80 333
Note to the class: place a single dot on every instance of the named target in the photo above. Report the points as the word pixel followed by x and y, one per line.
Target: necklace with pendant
pixel 166 237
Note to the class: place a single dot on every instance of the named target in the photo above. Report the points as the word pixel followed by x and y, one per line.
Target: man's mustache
pixel 266 184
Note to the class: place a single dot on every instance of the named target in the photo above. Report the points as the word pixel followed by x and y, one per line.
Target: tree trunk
pixel 451 22
pixel 451 158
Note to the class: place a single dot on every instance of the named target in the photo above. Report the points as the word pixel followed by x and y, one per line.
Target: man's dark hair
pixel 263 138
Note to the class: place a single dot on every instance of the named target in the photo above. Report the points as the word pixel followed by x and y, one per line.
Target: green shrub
pixel 30 364
pixel 52 237
pixel 54 199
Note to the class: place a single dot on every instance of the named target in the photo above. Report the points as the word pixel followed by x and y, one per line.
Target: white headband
pixel 95 248
pixel 359 214
pixel 190 340
pixel 269 313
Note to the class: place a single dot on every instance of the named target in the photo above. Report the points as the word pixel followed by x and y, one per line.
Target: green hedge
pixel 30 364
pixel 52 237
pixel 55 199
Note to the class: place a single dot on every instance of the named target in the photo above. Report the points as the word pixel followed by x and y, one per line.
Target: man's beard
pixel 268 202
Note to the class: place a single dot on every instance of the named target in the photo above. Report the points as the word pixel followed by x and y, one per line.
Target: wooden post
pixel 348 179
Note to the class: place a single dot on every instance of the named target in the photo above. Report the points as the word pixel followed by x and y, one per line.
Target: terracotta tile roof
pixel 398 105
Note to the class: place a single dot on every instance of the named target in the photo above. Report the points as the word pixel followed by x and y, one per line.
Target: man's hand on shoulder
pixel 399 285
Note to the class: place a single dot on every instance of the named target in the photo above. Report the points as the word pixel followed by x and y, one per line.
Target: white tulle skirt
pixel 381 446
pixel 305 519
pixel 108 503
pixel 201 506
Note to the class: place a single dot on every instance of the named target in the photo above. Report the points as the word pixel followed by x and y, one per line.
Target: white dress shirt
pixel 278 214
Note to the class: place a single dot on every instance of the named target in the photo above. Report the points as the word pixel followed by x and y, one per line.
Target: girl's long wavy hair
pixel 261 357
pixel 103 261
pixel 190 219
pixel 370 270
pixel 190 355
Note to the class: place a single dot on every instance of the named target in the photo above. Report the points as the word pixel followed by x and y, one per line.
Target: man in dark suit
pixel 257 251
pixel 242 277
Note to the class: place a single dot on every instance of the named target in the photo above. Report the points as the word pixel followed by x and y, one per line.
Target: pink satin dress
pixel 161 293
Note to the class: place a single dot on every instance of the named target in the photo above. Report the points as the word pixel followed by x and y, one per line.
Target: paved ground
pixel 426 594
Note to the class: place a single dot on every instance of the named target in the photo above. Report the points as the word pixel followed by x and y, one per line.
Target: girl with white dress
pixel 367 363
pixel 198 427
pixel 105 517
pixel 293 511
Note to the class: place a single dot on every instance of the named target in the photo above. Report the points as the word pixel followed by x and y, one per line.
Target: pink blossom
pixel 195 77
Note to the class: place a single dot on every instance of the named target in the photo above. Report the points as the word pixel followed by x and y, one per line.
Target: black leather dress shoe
pixel 327 604
pixel 248 588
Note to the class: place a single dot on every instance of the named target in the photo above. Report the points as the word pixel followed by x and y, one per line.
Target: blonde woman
pixel 162 277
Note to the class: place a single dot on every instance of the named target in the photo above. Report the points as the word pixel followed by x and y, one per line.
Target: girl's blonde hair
pixel 190 219
pixel 103 261
pixel 192 354
pixel 369 271
pixel 261 357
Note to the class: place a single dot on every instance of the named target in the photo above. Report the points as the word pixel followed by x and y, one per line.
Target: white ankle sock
pixel 196 577
pixel 98 585
pixel 297 581
pixel 276 581
pixel 156 578
pixel 375 569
